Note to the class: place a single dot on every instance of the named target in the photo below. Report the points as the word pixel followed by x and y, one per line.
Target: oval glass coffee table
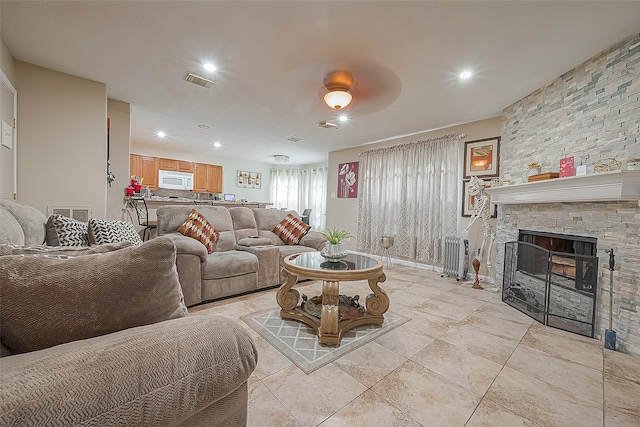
pixel 332 314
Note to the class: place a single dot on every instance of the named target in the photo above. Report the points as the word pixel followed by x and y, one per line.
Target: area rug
pixel 299 343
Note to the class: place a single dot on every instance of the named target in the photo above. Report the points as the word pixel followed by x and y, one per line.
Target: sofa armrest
pixel 188 246
pixel 268 263
pixel 313 239
pixel 152 375
pixel 254 241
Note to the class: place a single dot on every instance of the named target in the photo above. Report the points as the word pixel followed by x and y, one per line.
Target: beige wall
pixel 7 62
pixel 7 65
pixel 343 213
pixel 120 114
pixel 229 169
pixel 62 139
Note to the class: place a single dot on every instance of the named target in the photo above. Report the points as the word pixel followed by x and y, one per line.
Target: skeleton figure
pixel 482 210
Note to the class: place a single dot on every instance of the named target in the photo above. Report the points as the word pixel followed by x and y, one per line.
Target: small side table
pixel 386 242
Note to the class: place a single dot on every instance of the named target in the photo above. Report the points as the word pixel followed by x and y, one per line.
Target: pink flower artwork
pixel 348 180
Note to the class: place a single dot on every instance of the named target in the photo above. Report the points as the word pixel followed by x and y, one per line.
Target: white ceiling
pixel 273 56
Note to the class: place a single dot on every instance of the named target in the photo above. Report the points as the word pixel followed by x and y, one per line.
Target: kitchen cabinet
pixel 175 165
pixel 214 178
pixel 146 167
pixel 200 182
pixel 208 178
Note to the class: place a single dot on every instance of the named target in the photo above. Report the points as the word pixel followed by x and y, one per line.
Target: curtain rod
pixel 419 142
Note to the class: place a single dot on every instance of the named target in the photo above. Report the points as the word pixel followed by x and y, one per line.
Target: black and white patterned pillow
pixel 65 231
pixel 101 232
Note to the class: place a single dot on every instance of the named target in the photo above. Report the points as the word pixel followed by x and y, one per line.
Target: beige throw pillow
pixel 49 300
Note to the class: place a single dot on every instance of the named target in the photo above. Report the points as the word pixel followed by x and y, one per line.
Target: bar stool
pixel 142 212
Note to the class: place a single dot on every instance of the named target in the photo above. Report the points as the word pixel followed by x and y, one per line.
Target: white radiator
pixel 456 257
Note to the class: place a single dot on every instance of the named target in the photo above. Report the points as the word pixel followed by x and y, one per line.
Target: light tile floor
pixel 465 359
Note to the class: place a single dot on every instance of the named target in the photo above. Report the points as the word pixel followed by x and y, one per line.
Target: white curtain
pixel 410 191
pixel 294 189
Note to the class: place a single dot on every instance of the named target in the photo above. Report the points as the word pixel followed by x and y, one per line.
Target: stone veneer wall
pixel 593 109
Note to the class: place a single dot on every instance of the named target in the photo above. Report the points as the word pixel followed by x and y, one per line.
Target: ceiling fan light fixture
pixel 338 83
pixel 338 99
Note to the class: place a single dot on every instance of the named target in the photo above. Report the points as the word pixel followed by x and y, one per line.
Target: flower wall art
pixel 348 180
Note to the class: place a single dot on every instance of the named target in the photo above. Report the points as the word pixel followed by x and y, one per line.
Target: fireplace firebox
pixel 552 278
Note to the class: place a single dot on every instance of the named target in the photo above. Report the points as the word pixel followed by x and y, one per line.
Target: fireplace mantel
pixel 600 187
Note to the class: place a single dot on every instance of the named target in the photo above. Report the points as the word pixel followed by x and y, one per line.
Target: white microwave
pixel 175 180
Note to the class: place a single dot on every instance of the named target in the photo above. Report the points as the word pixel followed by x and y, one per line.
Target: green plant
pixel 335 236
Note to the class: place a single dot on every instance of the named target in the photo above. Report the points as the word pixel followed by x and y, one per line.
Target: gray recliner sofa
pixel 183 371
pixel 241 262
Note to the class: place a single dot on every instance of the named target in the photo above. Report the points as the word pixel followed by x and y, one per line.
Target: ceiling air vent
pixel 198 80
pixel 293 139
pixel 325 124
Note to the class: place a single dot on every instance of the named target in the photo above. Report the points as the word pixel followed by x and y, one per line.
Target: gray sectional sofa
pixel 101 336
pixel 241 262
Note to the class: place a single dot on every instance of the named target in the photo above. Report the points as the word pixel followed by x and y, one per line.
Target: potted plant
pixel 333 250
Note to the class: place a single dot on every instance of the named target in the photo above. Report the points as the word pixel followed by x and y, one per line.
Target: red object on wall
pixel 566 167
pixel 348 180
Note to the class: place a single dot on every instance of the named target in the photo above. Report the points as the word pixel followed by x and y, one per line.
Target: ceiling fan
pixel 361 85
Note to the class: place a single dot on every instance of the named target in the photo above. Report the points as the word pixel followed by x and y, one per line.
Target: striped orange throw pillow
pixel 291 230
pixel 197 227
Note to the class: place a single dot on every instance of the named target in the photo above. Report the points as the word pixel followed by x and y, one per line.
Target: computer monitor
pixel 229 197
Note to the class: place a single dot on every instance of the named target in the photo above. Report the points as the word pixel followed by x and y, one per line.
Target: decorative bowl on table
pixel 333 252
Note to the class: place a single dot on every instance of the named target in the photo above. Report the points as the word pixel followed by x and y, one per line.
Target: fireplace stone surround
pixel 614 225
pixel 591 112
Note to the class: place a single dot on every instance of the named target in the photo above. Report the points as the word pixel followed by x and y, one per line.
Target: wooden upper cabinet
pixel 146 167
pixel 175 165
pixel 186 166
pixel 208 178
pixel 214 178
pixel 200 178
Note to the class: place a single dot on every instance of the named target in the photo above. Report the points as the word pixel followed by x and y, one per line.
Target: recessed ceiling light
pixel 343 117
pixel 161 134
pixel 209 66
pixel 203 126
pixel 465 75
pixel 217 144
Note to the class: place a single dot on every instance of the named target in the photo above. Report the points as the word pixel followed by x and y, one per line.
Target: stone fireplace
pixel 589 113
pixel 613 225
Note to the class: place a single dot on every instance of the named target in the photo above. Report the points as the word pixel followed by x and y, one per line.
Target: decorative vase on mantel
pixel 534 169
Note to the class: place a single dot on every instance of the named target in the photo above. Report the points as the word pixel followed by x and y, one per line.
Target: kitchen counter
pixel 154 202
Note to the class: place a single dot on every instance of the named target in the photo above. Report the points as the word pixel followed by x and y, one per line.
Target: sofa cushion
pixel 197 227
pixel 244 223
pixel 291 230
pixel 101 232
pixel 228 264
pixel 11 230
pixel 50 300
pixel 64 231
pixel 31 221
pixel 62 250
pixel 171 217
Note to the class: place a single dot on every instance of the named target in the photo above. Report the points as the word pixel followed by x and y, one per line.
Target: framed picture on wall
pixel 468 201
pixel 348 180
pixel 246 179
pixel 481 157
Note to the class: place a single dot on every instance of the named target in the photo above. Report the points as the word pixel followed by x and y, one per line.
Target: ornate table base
pixel 329 328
